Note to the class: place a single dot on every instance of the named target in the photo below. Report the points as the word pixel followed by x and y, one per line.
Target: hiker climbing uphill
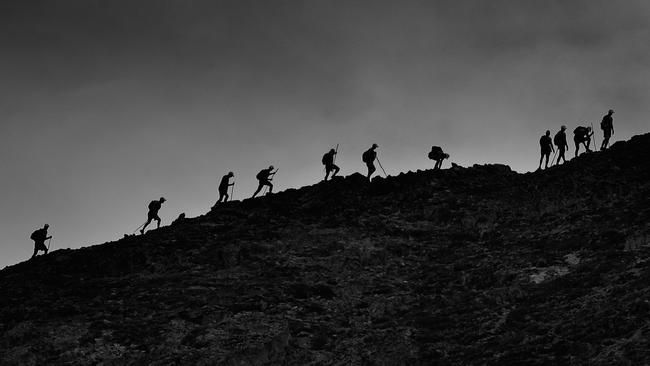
pixel 369 157
pixel 223 187
pixel 546 146
pixel 436 154
pixel 560 141
pixel 39 237
pixel 582 135
pixel 264 178
pixel 328 161
pixel 154 207
pixel 607 125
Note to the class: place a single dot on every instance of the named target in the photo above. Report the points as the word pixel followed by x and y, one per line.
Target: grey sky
pixel 106 105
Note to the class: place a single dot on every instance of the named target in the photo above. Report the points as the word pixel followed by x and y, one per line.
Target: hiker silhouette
pixel 438 156
pixel 264 178
pixel 582 135
pixel 560 141
pixel 154 207
pixel 369 157
pixel 607 125
pixel 546 146
pixel 223 187
pixel 39 237
pixel 328 161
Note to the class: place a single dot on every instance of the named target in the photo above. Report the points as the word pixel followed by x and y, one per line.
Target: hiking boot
pixel 141 231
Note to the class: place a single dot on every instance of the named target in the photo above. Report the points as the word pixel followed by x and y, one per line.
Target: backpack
pixel 367 156
pixel 261 175
pixel 34 235
pixel 557 138
pixel 152 205
pixel 435 153
pixel 579 131
pixel 326 159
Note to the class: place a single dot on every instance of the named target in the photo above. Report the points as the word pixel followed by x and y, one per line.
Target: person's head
pixel 446 156
pixel 271 167
pixel 610 112
pixel 374 146
pixel 231 174
pixel 548 133
pixel 46 226
pixel 588 128
pixel 563 127
pixel 162 200
pixel 332 151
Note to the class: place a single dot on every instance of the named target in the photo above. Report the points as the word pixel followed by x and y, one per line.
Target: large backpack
pixel 581 131
pixel 327 159
pixel 262 175
pixel 153 205
pixel 34 235
pixel 367 156
pixel 557 139
pixel 435 153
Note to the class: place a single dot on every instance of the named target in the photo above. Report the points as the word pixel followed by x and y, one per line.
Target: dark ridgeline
pixel 464 266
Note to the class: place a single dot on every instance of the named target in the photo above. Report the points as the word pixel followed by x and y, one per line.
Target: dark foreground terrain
pixel 466 266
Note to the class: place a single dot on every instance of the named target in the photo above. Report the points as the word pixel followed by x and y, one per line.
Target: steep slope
pixel 475 266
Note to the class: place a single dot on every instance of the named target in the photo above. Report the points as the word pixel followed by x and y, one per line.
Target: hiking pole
pixel 337 152
pixel 138 228
pixel 382 168
pixel 555 153
pixel 232 191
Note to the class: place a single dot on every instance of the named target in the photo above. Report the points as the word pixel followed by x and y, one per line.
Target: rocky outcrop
pixel 471 266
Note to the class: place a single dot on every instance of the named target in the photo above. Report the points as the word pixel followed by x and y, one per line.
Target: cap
pixel 563 127
pixel 332 150
pixel 231 173
pixel 375 145
pixel 271 167
pixel 162 199
pixel 46 226
pixel 611 111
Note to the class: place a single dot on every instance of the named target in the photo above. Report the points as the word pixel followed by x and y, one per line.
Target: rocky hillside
pixel 465 266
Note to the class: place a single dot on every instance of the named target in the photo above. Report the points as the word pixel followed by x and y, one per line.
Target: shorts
pixel 153 216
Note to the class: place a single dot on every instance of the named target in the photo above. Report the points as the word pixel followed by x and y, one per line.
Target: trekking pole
pixel 337 152
pixel 382 168
pixel 554 154
pixel 138 228
pixel 232 191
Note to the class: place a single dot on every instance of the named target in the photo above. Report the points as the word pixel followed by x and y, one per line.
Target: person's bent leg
pixel 145 225
pixel 259 188
pixel 336 170
pixel 158 222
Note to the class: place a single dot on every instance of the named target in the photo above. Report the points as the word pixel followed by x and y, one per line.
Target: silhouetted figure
pixel 560 141
pixel 546 145
pixel 369 157
pixel 154 207
pixel 223 187
pixel 39 237
pixel 438 156
pixel 264 178
pixel 179 219
pixel 328 161
pixel 582 135
pixel 607 125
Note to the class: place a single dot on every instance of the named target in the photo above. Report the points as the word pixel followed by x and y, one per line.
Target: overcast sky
pixel 106 105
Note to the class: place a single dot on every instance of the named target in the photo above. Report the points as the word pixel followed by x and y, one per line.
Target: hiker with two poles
pixel 264 178
pixel 154 207
pixel 328 160
pixel 546 146
pixel 223 187
pixel 39 237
